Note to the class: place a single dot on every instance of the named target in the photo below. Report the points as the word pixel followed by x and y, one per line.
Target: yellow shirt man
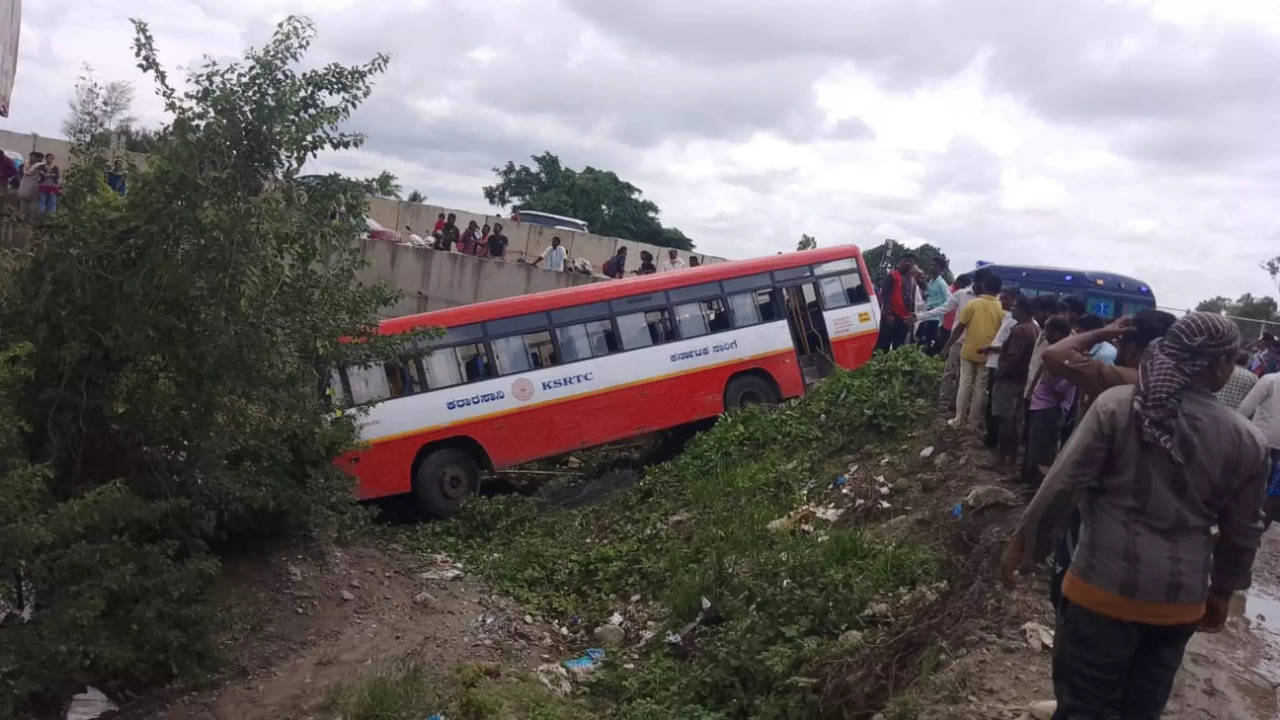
pixel 981 318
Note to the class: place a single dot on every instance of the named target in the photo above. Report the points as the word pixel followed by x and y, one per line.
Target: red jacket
pixel 893 288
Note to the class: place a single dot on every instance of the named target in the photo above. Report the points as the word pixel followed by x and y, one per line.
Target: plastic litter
pixel 554 677
pixel 1038 636
pixel 586 663
pixel 925 453
pixel 840 481
pixel 89 704
pixel 957 511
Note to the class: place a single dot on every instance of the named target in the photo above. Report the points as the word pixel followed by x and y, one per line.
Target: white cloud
pixel 1132 135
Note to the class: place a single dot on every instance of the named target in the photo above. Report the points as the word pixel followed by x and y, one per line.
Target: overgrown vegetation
pixel 695 527
pixel 162 356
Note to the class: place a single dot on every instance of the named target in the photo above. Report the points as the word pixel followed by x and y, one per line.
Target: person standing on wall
pixel 470 239
pixel 49 179
pixel 897 305
pixel 554 255
pixel 497 243
pixel 673 262
pixel 29 186
pixel 449 234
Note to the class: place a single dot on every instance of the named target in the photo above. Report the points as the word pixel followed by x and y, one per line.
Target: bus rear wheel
pixel 443 479
pixel 747 390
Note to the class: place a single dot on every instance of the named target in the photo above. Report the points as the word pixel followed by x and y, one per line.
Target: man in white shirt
pixel 554 255
pixel 1262 406
pixel 673 262
pixel 965 291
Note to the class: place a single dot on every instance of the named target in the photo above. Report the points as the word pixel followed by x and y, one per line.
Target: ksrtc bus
pixel 539 375
pixel 1105 294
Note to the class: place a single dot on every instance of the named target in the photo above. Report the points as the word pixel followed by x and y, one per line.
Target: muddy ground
pixel 304 622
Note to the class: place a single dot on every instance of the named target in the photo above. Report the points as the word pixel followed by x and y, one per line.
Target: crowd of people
pixel 490 242
pixel 1150 448
pixel 616 266
pixel 38 181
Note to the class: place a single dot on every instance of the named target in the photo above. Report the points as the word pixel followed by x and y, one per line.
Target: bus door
pixel 808 330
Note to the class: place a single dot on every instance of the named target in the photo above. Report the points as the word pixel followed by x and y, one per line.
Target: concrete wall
pixel 25 143
pixel 433 280
pixel 527 241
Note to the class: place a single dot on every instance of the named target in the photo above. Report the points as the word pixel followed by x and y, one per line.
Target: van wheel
pixel 443 479
pixel 747 390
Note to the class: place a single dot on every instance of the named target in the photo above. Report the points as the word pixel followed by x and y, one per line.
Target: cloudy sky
pixel 1138 137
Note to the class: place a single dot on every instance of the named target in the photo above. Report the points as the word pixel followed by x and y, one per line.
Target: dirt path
pixel 317 622
pixel 997 674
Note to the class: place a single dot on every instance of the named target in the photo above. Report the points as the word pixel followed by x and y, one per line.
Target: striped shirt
pixel 1234 392
pixel 1146 552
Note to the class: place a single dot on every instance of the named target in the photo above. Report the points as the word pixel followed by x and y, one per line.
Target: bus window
pixel 835 266
pixel 473 361
pixel 398 382
pixel 643 329
pixel 842 290
pixel 593 339
pixel 746 308
pixel 519 353
pixel 691 320
pixel 368 384
pixel 1103 307
pixel 333 390
pixel 541 352
pixel 443 368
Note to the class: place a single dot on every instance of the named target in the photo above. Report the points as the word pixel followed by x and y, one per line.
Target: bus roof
pixel 611 289
pixel 1070 276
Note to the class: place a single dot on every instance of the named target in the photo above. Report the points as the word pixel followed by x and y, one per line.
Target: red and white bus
pixel 539 375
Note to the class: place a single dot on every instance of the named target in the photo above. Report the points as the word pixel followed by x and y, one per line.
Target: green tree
pixel 386 184
pixel 1252 314
pixel 416 197
pixel 1272 267
pixel 170 348
pixel 97 109
pixel 807 242
pixel 886 256
pixel 608 204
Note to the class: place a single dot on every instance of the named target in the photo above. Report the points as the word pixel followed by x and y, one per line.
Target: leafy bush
pixel 696 527
pixel 166 348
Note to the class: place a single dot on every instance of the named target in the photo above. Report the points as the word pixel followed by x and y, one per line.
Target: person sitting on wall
pixel 616 266
pixel 439 224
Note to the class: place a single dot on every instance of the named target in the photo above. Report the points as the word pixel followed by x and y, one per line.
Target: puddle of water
pixel 1260 609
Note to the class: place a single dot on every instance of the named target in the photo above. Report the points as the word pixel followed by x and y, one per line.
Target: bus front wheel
pixel 747 390
pixel 443 479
